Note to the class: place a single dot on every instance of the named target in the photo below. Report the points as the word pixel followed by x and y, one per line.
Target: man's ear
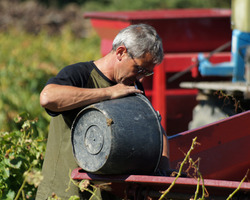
pixel 120 52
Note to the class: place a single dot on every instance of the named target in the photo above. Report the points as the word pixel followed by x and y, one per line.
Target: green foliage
pixel 21 156
pixel 113 5
pixel 27 62
pixel 139 5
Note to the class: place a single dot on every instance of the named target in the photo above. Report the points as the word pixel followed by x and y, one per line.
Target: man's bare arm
pixel 60 98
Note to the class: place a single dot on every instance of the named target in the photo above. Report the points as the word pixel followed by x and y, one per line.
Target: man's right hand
pixel 121 90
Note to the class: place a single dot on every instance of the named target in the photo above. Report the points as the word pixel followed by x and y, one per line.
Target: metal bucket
pixel 121 136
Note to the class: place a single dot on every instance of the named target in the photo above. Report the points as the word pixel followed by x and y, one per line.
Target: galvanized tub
pixel 121 136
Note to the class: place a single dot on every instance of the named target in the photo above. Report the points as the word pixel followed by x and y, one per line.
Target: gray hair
pixel 140 39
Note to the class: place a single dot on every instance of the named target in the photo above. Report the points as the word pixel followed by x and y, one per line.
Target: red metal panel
pixel 78 174
pixel 107 30
pixel 183 30
pixel 106 46
pixel 179 109
pixel 159 14
pixel 224 149
pixel 192 35
pixel 183 186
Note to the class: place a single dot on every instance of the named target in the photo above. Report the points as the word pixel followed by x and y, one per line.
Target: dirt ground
pixel 32 17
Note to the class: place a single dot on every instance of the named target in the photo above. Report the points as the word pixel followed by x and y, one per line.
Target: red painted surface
pixel 182 30
pixel 123 185
pixel 158 97
pixel 224 149
pixel 184 33
pixel 159 14
pixel 78 174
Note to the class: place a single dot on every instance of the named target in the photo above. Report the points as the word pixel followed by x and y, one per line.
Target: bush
pixel 21 157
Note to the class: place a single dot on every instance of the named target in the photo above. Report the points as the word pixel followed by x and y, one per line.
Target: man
pixel 135 52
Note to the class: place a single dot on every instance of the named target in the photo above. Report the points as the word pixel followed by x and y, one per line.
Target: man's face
pixel 134 69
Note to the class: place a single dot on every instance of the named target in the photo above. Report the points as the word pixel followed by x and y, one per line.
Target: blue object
pixel 235 68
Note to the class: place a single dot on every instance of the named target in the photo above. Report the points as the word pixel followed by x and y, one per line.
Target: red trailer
pixel 224 152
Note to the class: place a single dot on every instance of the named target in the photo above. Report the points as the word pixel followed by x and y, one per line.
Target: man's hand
pixel 121 90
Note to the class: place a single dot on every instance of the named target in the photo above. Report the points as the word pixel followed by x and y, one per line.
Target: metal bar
pixel 158 180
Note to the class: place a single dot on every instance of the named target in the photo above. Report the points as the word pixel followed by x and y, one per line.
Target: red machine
pixel 224 150
pixel 184 34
